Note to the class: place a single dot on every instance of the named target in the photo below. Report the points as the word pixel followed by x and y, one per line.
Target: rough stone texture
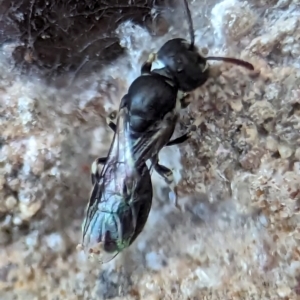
pixel 239 175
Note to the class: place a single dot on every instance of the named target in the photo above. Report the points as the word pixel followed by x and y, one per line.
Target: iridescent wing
pixel 110 220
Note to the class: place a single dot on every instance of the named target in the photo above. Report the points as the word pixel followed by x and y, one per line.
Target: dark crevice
pixel 55 37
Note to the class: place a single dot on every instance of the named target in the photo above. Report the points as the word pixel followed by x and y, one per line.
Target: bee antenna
pixel 231 60
pixel 190 22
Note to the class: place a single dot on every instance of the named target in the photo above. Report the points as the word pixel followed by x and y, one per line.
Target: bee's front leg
pixel 146 66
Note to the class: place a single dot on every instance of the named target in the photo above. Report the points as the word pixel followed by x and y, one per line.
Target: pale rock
pixel 38 166
pixel 14 184
pixel 284 214
pixel 17 221
pixel 261 111
pixel 3 208
pixel 240 22
pixel 297 154
pixel 236 105
pixel 11 202
pixel 2 181
pixel 56 242
pixel 28 210
pixel 285 151
pixel 152 297
pixel 250 133
pixel 283 291
pixel 252 159
pixel 271 144
pixel 297 167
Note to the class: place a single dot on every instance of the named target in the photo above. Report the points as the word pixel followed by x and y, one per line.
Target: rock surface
pixel 239 174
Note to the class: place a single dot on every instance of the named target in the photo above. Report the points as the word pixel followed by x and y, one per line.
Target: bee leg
pixel 183 99
pixel 146 66
pixel 183 138
pixel 109 120
pixel 134 218
pixel 94 168
pixel 167 174
pixel 112 125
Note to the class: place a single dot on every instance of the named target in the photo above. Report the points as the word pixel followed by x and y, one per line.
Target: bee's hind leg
pixel 168 176
pixel 95 176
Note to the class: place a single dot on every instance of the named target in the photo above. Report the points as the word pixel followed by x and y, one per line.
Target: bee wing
pixel 152 140
pixel 107 195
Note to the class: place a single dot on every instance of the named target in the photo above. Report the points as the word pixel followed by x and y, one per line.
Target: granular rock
pixel 238 175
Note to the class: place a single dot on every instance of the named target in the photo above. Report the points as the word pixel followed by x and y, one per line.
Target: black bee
pixel 122 194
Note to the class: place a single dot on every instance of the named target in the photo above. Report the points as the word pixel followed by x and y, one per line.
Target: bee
pixel 121 196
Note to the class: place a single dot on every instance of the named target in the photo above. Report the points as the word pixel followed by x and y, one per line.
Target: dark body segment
pixel 149 99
